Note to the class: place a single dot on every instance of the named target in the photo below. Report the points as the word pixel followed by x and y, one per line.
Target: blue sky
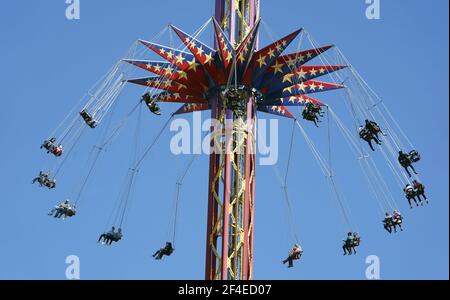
pixel 49 62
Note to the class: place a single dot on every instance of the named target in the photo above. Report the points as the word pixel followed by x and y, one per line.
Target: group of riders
pixel 415 192
pixel 44 180
pixel 63 210
pixel 369 132
pixel 111 236
pixel 151 103
pixel 312 112
pixel 350 243
pixel 391 222
pixel 107 238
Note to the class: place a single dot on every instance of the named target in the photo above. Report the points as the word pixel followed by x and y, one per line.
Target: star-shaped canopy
pixel 188 76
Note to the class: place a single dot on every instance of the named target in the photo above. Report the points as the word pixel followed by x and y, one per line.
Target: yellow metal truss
pixel 242 137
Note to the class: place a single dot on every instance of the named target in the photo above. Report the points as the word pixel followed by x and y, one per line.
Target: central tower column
pixel 231 190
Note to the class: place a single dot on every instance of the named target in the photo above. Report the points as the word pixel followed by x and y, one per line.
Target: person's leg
pixel 407 171
pixel 420 199
pixel 370 145
pixel 345 249
pixel 409 202
pixel 412 168
pixel 375 138
pixel 291 262
pixel 424 196
pixel 100 237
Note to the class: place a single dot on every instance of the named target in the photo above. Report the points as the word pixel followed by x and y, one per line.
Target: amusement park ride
pixel 235 79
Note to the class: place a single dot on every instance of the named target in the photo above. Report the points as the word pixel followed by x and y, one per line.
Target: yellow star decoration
pixel 170 54
pixel 208 59
pixel 229 57
pixel 312 86
pixel 279 47
pixel 166 83
pixel 181 86
pixel 301 86
pixel 182 74
pixel 261 60
pixel 321 86
pixel 179 59
pixel 168 70
pixel 271 52
pixel 308 55
pixel 193 65
pixel 176 96
pixel 301 58
pixel 291 62
pixel 301 74
pixel 288 77
pixel 157 68
pixel 192 45
pixel 162 51
pixel 313 72
pixel 200 50
pixel 292 99
pixel 322 70
pixel 241 57
pixel 288 89
pixel 277 67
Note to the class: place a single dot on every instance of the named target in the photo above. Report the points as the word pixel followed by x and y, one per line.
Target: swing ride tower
pixel 235 80
pixel 231 187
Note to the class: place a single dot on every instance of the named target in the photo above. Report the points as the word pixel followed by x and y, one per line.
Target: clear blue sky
pixel 48 63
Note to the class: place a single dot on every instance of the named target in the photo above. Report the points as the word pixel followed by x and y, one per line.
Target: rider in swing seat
pixel 397 220
pixel 295 254
pixel 88 119
pixel 348 242
pixel 312 113
pixel 151 104
pixel 410 194
pixel 419 189
pixel 368 136
pixel 405 161
pixel 388 222
pixel 373 128
pixel 166 250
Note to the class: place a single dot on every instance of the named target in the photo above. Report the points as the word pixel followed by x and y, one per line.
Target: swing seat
pixel 414 156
